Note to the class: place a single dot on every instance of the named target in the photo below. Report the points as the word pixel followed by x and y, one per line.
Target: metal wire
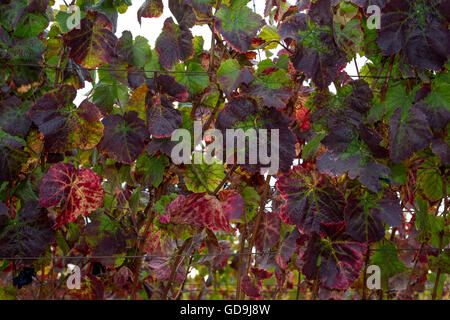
pixel 193 255
pixel 191 72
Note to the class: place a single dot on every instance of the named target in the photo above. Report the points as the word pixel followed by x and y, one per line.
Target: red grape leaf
pixel 124 137
pixel 162 118
pixel 260 274
pixel 199 209
pixel 238 25
pixel 335 257
pixel 311 200
pixel 174 44
pixel 78 191
pixel 251 287
pixel 268 234
pixel 26 235
pixel 162 267
pixel 94 43
pixel 233 204
pixel 150 9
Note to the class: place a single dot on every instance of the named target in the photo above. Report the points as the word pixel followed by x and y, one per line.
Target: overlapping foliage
pixel 363 175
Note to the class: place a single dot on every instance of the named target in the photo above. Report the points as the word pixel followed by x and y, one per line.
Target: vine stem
pixel 262 206
pixel 252 239
pixel 385 87
pixel 380 71
pixel 175 267
pixel 366 264
pixel 441 235
pixel 408 286
pixel 141 245
pixel 315 288
pixel 239 266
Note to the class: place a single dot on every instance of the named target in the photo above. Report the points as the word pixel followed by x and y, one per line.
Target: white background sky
pixel 151 28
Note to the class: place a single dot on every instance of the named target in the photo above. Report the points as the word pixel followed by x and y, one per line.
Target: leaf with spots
pixel 199 209
pixel 150 9
pixel 76 192
pixel 268 234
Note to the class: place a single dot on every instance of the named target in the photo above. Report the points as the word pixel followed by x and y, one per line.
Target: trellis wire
pixel 195 255
pixel 190 72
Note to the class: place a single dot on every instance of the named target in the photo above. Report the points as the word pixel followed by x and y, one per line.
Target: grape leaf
pixel 64 126
pixel 174 44
pixel 241 113
pixel 369 172
pixel 183 13
pixel 336 258
pixel 27 234
pixel 124 137
pixel 363 218
pixel 251 287
pixel 79 192
pixel 416 28
pixel 288 247
pixel 13 116
pixel 272 90
pixel 199 209
pixel 193 77
pixel 162 118
pixel 238 24
pixel 150 9
pixel 203 6
pixel 408 132
pixel 230 76
pixel 210 173
pixel 94 42
pixel 11 156
pixel 268 234
pixel 310 200
pixel 316 54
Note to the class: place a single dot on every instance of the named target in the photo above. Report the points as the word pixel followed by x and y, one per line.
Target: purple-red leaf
pixel 124 137
pixel 94 43
pixel 335 258
pixel 79 192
